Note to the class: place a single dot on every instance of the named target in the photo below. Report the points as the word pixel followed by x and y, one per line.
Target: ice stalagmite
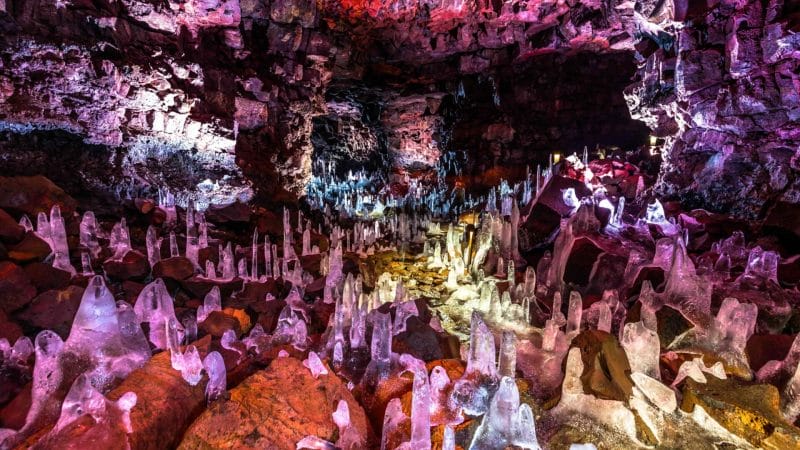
pixel 229 341
pixel 611 413
pixel 291 329
pixel 211 271
pixel 315 365
pixel 47 380
pixel 153 243
pixel 574 313
pixel 380 349
pixel 525 429
pixel 727 334
pixel 174 251
pixel 191 366
pixel 226 267
pixel 420 413
pixel 58 238
pixel 83 399
pixel 214 366
pixel 120 240
pixel 131 332
pixel 393 419
pixel 471 391
pixel 650 304
pixel 212 302
pixel 762 266
pixel 403 312
pixel 43 228
pixel 88 234
pixel 481 348
pixel 684 290
pixel 192 249
pixel 254 256
pixel 507 365
pixel 97 335
pixel 506 422
pixel 449 439
pixel 643 348
pixel 155 307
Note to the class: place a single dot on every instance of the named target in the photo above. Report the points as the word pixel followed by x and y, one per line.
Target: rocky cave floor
pixel 544 314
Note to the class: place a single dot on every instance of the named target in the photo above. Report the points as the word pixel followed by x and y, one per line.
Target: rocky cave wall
pixel 236 90
pixel 723 92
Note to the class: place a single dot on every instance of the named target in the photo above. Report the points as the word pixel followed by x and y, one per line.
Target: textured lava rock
pixel 133 265
pixel 749 411
pixel 31 248
pixel 276 408
pixel 726 103
pixel 53 310
pixel 606 371
pixel 16 289
pixel 166 404
pixel 175 268
pixel 32 195
pixel 218 323
pixel 45 277
pixel 10 230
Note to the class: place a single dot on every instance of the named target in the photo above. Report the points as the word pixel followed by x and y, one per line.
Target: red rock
pixel 606 372
pixel 133 265
pixel 176 268
pixel 268 319
pixel 166 404
pixel 762 348
pixel 45 277
pixel 218 323
pixel 200 286
pixel 235 212
pixel 10 230
pixel 54 310
pixel 13 414
pixel 144 205
pixel 418 340
pixel 273 409
pixel 31 248
pixel 16 289
pixel 8 329
pixel 32 195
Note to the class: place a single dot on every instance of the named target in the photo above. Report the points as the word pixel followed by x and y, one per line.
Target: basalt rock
pixel 273 409
pixel 724 101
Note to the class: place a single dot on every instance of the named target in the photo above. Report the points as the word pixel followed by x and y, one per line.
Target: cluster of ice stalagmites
pixel 617 323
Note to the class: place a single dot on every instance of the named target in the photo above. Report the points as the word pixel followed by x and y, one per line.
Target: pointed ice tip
pixel 341 417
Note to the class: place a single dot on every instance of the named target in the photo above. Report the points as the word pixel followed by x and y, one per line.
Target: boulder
pixel 176 268
pixel 45 277
pixel 8 329
pixel 418 340
pixel 218 322
pixel 16 289
pixel 606 371
pixel 275 408
pixel 133 265
pixel 751 411
pixel 166 404
pixel 31 248
pixel 54 310
pixel 32 195
pixel 10 230
pixel 235 212
pixel 200 286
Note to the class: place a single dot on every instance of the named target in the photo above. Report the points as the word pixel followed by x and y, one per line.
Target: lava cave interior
pixel 399 224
